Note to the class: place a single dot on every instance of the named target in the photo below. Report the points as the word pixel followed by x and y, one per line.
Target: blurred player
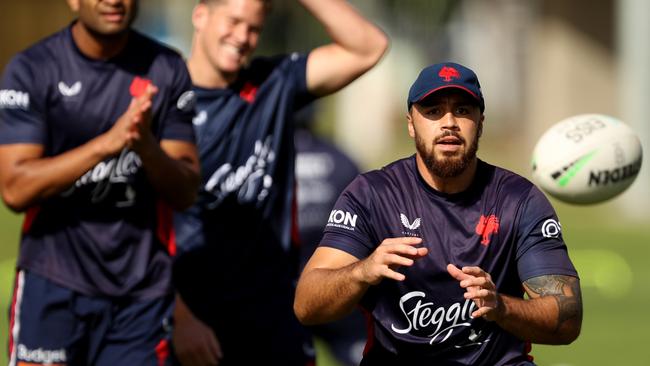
pixel 440 247
pixel 97 146
pixel 322 173
pixel 236 270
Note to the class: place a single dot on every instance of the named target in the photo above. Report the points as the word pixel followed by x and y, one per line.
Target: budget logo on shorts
pixel 342 219
pixel 13 99
pixel 52 357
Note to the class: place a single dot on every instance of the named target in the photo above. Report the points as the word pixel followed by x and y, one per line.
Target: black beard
pixel 448 167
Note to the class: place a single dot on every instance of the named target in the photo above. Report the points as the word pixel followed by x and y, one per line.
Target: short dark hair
pixel 268 4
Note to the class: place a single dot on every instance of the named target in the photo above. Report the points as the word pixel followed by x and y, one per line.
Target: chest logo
pixel 200 118
pixel 138 86
pixel 69 91
pixel 248 92
pixel 410 225
pixel 487 225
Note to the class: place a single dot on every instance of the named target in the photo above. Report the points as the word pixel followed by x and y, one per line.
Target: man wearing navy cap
pixel 440 247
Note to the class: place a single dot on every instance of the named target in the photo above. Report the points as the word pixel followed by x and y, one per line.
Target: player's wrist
pixel 499 312
pixel 147 147
pixel 361 273
pixel 102 146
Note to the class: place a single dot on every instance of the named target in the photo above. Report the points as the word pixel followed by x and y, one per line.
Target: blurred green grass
pixel 611 256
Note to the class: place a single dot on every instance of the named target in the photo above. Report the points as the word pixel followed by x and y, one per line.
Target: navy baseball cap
pixel 445 75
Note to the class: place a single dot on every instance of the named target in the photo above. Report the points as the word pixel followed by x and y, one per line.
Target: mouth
pixel 449 140
pixel 449 143
pixel 113 16
pixel 234 51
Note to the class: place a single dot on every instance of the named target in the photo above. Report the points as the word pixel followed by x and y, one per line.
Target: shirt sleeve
pixel 181 109
pixel 541 249
pixel 298 65
pixel 348 227
pixel 22 104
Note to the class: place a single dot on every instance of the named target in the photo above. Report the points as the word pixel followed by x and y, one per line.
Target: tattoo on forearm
pixel 566 292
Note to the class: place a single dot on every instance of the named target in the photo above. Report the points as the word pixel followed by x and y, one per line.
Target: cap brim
pixel 447 87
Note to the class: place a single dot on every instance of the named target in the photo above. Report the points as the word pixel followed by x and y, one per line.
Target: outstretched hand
pixel 391 254
pixel 479 288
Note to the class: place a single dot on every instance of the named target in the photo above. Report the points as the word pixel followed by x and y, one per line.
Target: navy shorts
pixel 53 325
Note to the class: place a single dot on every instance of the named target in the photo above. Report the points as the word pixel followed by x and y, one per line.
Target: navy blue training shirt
pixel 105 235
pixel 237 240
pixel 501 223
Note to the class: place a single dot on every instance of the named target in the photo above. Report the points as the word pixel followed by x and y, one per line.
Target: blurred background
pixel 539 61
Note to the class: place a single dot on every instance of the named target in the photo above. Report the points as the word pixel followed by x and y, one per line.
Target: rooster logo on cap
pixel 448 73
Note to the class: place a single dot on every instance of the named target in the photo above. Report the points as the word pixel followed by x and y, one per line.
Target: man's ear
pixel 410 126
pixel 74 5
pixel 480 126
pixel 200 16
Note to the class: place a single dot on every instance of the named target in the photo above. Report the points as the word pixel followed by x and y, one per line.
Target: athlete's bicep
pixel 329 258
pixel 565 290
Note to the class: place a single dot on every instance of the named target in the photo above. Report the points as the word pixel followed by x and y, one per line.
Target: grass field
pixel 612 259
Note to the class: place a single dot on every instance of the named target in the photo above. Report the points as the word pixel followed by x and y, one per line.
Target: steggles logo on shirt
pixel 250 181
pixel 437 323
pixel 108 173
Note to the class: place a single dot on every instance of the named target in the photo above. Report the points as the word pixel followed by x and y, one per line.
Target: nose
pixel 449 121
pixel 241 33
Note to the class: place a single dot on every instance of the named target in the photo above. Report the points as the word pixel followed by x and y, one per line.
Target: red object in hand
pixel 138 86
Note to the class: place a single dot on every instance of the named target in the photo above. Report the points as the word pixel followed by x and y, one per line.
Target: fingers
pixel 391 254
pixel 214 348
pixel 475 271
pixel 403 246
pixel 394 275
pixel 477 294
pixel 478 287
pixel 456 273
pixel 482 312
pixel 482 282
pixel 467 273
pixel 394 259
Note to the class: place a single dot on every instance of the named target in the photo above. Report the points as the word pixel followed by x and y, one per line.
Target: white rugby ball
pixel 587 158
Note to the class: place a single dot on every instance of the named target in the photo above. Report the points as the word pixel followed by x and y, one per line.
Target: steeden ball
pixel 588 158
